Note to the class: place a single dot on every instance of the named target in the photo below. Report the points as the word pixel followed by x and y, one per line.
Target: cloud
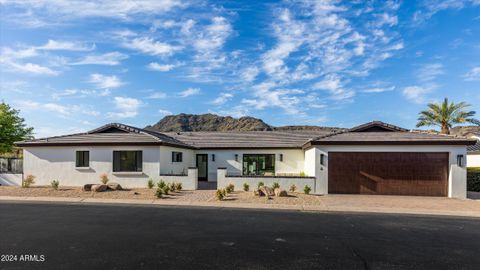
pixel 14 60
pixel 107 59
pixel 127 107
pixel 164 112
pixel 473 74
pixel 32 68
pixel 267 94
pixel 213 36
pixel 105 82
pixel 59 109
pixel 53 45
pixel 431 7
pixel 80 93
pixel 149 46
pixel 157 95
pixel 222 98
pixel 416 94
pixel 333 84
pixel 429 72
pixel 379 89
pixel 161 67
pixel 189 92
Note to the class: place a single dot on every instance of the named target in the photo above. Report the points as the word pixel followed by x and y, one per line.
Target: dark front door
pixel 202 165
pixel 388 173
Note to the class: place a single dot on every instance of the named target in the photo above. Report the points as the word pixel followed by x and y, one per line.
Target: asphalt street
pixel 73 236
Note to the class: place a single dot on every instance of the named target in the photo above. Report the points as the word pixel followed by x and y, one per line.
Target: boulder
pixel 280 192
pixel 258 192
pixel 268 191
pixel 99 188
pixel 87 187
pixel 114 186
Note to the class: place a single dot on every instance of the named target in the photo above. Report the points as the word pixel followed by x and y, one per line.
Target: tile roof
pixel 474 148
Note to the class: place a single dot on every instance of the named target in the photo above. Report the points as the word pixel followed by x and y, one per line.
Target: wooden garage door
pixel 388 173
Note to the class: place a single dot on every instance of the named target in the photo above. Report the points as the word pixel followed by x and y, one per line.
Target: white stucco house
pixel 373 158
pixel 473 151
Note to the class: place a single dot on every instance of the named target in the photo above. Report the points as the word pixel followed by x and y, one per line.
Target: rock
pixel 87 187
pixel 99 188
pixel 114 186
pixel 258 192
pixel 268 191
pixel 280 192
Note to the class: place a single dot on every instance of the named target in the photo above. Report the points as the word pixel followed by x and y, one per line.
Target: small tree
pixel 55 184
pixel 246 187
pixel 307 189
pixel 260 184
pixel 150 183
pixel 28 181
pixel 104 178
pixel 293 188
pixel 275 185
pixel 12 128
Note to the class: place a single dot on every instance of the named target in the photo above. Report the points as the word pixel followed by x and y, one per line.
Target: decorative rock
pixel 280 192
pixel 87 187
pixel 268 191
pixel 114 186
pixel 99 188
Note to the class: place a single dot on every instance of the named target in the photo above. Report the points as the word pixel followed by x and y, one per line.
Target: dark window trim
pixel 273 157
pixel 138 161
pixel 177 156
pixel 82 159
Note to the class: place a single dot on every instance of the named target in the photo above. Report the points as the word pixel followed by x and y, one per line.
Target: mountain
pixel 212 122
pixel 464 130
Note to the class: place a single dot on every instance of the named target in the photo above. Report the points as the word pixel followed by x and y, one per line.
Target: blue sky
pixel 72 65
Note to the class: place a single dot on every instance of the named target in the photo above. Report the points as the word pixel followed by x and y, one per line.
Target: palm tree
pixel 445 115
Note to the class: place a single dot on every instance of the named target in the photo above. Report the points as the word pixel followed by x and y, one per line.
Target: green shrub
pixel 159 193
pixel 302 174
pixel 104 178
pixel 150 183
pixel 178 186
pixel 275 185
pixel 293 188
pixel 260 184
pixel 55 184
pixel 161 184
pixel 230 188
pixel 307 189
pixel 173 187
pixel 473 179
pixel 166 189
pixel 246 187
pixel 220 194
pixel 28 181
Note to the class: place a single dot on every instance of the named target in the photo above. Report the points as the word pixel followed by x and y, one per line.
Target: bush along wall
pixel 473 179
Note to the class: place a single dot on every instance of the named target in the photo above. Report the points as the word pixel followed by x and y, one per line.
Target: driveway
pixel 82 236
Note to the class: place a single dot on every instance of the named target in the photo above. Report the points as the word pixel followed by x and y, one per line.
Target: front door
pixel 202 166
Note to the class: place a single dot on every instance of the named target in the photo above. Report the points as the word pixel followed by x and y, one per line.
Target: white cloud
pixel 161 67
pixel 164 112
pixel 473 74
pixel 127 107
pixel 222 98
pixel 429 72
pixel 379 89
pixel 32 68
pixel 53 45
pixel 416 94
pixel 213 36
pixel 387 19
pixel 189 92
pixel 333 84
pixel 105 82
pixel 150 46
pixel 157 95
pixel 107 59
pixel 80 93
pixel 59 109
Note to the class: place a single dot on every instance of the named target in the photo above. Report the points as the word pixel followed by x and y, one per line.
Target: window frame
pixel 82 160
pixel 177 156
pixel 257 170
pixel 138 161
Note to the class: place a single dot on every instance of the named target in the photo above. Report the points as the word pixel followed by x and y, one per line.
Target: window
pixel 127 161
pixel 82 159
pixel 258 164
pixel 177 156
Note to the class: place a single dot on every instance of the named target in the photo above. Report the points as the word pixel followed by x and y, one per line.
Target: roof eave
pixel 35 144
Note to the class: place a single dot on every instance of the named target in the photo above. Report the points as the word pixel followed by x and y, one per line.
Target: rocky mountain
pixel 212 122
pixel 465 130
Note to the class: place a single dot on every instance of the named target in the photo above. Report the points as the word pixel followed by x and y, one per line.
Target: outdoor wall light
pixel 236 157
pixel 322 159
pixel 281 157
pixel 213 157
pixel 460 162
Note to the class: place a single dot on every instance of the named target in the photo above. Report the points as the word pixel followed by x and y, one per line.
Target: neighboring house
pixel 473 151
pixel 374 158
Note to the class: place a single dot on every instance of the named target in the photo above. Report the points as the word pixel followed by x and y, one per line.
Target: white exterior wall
pixel 457 181
pixel 169 167
pixel 189 181
pixel 10 179
pixel 293 160
pixel 473 160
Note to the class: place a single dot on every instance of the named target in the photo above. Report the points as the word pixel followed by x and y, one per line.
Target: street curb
pixel 305 208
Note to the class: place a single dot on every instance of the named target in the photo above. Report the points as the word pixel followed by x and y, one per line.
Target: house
pixel 473 151
pixel 373 158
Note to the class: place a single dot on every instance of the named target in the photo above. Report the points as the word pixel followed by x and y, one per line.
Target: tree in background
pixel 445 115
pixel 12 128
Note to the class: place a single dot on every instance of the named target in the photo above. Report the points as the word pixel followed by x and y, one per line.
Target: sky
pixel 73 65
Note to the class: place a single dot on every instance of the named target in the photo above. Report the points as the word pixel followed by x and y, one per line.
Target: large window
pixel 127 161
pixel 82 159
pixel 177 156
pixel 258 164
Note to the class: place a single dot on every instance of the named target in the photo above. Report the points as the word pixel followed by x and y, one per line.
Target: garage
pixel 388 173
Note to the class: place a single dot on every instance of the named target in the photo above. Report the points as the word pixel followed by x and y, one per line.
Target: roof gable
pixel 377 126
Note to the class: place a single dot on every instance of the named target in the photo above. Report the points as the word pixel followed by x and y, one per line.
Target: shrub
pixel 28 181
pixel 166 189
pixel 302 174
pixel 260 184
pixel 230 188
pixel 307 189
pixel 173 187
pixel 220 194
pixel 161 184
pixel 55 184
pixel 178 186
pixel 150 183
pixel 104 178
pixel 275 185
pixel 159 193
pixel 473 179
pixel 293 188
pixel 246 187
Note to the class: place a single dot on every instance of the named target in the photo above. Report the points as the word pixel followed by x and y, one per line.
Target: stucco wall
pixel 457 181
pixel 169 167
pixel 473 160
pixel 10 179
pixel 293 160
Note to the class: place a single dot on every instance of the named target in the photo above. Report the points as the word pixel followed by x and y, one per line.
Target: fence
pixel 11 165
